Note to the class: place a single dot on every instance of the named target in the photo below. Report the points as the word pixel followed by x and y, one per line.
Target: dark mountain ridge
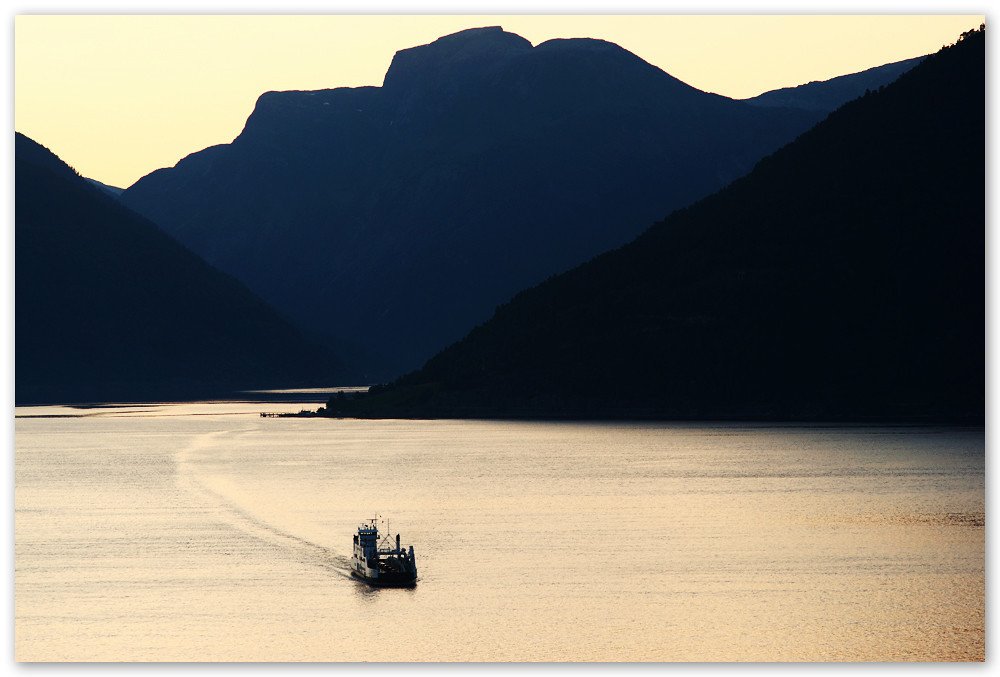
pixel 828 95
pixel 397 217
pixel 109 308
pixel 110 190
pixel 842 279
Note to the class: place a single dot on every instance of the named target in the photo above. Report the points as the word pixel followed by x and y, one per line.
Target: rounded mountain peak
pixel 452 56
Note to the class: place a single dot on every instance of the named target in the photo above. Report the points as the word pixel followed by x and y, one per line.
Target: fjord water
pixel 202 532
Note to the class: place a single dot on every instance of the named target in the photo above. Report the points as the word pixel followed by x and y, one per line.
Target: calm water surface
pixel 203 532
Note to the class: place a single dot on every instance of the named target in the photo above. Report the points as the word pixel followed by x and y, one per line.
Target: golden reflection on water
pixel 203 532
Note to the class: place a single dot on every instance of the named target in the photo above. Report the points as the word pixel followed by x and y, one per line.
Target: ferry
pixel 381 564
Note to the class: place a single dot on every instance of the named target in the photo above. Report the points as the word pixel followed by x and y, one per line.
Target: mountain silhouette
pixel 110 190
pixel 842 279
pixel 110 308
pixel 398 217
pixel 828 95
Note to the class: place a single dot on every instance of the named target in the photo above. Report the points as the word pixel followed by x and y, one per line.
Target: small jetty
pixel 271 414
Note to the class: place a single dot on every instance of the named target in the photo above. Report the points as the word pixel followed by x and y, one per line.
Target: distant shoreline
pixel 783 421
pixel 311 395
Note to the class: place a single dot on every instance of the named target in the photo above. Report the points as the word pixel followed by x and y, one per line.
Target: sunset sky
pixel 120 96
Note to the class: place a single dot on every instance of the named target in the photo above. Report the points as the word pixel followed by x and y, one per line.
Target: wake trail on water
pixel 299 548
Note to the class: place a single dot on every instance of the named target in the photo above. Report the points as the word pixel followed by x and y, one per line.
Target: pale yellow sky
pixel 120 96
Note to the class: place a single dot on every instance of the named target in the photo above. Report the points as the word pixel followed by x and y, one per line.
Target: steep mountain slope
pixel 843 278
pixel 828 95
pixel 110 190
pixel 397 217
pixel 108 307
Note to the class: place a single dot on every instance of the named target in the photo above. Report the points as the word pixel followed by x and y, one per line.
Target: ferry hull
pixel 388 580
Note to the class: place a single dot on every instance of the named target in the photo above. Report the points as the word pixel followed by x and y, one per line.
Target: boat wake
pixel 243 519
